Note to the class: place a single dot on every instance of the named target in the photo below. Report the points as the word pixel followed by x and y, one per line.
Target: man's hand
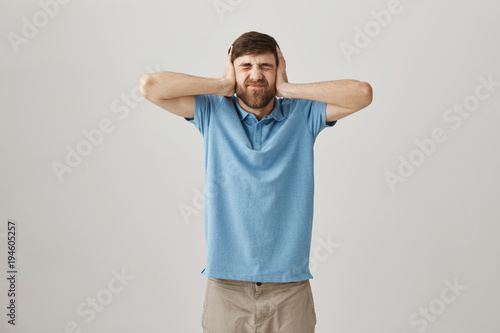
pixel 228 78
pixel 281 78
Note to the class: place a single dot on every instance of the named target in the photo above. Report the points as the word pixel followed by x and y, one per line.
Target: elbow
pixel 367 93
pixel 145 84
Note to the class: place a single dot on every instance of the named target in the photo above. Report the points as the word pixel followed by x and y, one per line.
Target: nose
pixel 255 73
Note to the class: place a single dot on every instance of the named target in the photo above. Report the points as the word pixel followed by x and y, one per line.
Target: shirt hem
pixel 273 278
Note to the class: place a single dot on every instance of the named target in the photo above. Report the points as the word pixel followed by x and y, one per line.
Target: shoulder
pixel 305 105
pixel 213 102
pixel 210 99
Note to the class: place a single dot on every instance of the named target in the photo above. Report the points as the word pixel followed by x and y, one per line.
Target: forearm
pixel 350 94
pixel 167 85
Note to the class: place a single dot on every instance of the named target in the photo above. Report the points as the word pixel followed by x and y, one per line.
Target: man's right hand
pixel 228 78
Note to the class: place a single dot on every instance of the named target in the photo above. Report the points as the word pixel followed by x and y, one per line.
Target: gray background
pixel 120 208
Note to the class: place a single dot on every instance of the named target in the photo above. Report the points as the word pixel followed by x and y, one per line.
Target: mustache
pixel 263 82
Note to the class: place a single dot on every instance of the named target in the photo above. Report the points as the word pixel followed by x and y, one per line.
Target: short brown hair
pixel 253 43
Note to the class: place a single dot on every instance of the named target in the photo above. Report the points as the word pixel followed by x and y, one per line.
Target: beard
pixel 256 98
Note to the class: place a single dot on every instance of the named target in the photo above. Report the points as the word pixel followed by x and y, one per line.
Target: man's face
pixel 256 79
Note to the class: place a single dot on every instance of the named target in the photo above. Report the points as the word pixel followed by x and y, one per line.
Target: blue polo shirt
pixel 259 187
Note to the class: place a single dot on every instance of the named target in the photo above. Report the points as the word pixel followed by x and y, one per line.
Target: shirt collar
pixel 276 113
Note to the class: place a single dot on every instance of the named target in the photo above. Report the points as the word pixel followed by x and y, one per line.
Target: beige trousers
pixel 233 306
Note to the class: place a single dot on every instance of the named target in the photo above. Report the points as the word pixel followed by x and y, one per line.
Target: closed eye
pixel 263 65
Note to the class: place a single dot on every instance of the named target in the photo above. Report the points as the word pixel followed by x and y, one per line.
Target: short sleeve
pixel 315 113
pixel 205 108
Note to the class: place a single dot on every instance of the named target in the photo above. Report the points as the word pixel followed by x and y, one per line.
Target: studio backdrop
pixel 102 192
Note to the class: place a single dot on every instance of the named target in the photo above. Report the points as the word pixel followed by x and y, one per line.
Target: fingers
pixel 229 72
pixel 281 76
pixel 228 58
pixel 281 58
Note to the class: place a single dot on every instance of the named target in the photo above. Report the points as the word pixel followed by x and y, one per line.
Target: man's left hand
pixel 281 78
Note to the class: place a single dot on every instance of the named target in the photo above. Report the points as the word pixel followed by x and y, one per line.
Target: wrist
pixel 285 90
pixel 225 87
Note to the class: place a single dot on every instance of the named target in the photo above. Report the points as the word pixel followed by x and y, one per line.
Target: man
pixel 259 180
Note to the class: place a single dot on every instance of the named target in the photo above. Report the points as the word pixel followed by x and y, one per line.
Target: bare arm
pixel 343 97
pixel 175 92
